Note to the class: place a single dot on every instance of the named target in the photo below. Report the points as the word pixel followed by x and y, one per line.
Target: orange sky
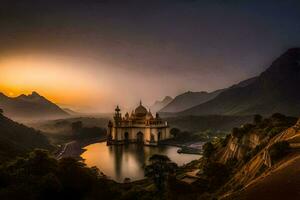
pixel 79 83
pixel 57 79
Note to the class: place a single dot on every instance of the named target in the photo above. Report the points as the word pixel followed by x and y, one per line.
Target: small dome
pixel 141 110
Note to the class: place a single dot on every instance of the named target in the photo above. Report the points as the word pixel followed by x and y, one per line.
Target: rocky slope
pixel 261 173
pixel 275 90
pixel 28 107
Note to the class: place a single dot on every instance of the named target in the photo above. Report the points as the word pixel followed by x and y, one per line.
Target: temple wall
pixel 118 133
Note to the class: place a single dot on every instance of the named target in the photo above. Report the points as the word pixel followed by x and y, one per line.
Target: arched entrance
pixel 140 138
pixel 126 135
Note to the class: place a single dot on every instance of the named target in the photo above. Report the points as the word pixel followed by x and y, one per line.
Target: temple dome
pixel 141 110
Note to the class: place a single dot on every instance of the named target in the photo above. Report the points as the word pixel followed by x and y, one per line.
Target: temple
pixel 138 127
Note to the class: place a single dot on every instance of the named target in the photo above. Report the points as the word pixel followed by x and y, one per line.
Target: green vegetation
pixel 208 149
pixel 80 132
pixel 257 119
pixel 39 176
pixel 265 127
pixel 203 136
pixel 216 174
pixel 159 170
pixel 279 150
pixel 17 139
pixel 214 123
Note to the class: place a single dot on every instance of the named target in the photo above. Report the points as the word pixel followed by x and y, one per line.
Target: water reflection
pixel 119 162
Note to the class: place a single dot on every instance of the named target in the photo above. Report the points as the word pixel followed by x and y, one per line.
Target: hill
pixel 211 122
pixel 275 90
pixel 188 100
pixel 160 104
pixel 248 164
pixel 30 107
pixel 17 139
pixel 273 165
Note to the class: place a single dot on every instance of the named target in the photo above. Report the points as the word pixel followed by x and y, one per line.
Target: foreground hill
pixel 272 166
pixel 275 90
pixel 27 107
pixel 17 139
pixel 248 164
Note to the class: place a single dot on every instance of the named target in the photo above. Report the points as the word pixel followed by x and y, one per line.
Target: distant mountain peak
pixel 167 98
pixel 30 106
pixel 160 104
pixel 35 94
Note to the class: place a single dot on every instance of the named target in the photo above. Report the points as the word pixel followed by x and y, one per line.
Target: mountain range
pixel 274 90
pixel 188 100
pixel 32 106
pixel 158 105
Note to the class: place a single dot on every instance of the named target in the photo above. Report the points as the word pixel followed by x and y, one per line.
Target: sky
pixel 92 55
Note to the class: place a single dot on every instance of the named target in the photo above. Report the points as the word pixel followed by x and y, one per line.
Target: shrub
pixel 40 176
pixel 278 116
pixel 217 174
pixel 231 164
pixel 253 152
pixel 274 131
pixel 225 140
pixel 279 150
pixel 257 119
pixel 159 169
pixel 175 132
pixel 208 149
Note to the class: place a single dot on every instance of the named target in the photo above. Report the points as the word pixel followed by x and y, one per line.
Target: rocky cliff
pixel 261 165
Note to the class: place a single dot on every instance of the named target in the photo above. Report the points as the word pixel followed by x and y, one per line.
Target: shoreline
pixel 186 147
pixel 74 148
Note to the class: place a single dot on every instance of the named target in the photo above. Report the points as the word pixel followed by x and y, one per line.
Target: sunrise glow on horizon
pixel 91 58
pixel 59 81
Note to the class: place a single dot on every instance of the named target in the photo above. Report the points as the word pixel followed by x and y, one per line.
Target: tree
pixel 159 170
pixel 216 173
pixel 208 149
pixel 278 150
pixel 257 119
pixel 175 132
pixel 1 111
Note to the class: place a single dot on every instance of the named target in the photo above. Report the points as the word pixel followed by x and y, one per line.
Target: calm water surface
pixel 119 162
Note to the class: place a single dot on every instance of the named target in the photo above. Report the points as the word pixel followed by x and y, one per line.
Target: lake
pixel 127 161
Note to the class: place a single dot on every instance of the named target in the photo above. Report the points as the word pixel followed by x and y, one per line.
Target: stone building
pixel 138 127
